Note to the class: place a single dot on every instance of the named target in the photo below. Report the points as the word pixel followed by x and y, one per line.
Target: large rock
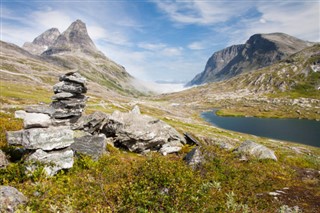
pixel 63 96
pixel 54 161
pixel 3 159
pixel 92 123
pixel 20 114
pixel 47 139
pixel 10 199
pixel 140 132
pixel 94 146
pixel 171 147
pixel 32 120
pixel 14 137
pixel 256 150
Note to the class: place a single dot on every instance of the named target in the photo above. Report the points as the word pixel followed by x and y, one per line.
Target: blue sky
pixel 162 39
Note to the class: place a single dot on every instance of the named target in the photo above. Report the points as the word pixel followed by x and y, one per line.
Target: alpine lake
pixel 295 130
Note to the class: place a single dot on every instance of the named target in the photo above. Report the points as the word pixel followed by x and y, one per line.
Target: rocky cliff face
pixel 259 51
pixel 42 42
pixel 75 38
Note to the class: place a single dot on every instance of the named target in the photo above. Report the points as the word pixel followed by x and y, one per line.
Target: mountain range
pixel 261 50
pixel 74 50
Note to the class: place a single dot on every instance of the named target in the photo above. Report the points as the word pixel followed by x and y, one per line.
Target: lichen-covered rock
pixel 14 137
pixel 256 150
pixel 73 77
pixel 69 87
pixel 3 159
pixel 32 120
pixel 194 158
pixel 48 138
pixel 140 132
pixel 54 160
pixel 94 146
pixel 10 199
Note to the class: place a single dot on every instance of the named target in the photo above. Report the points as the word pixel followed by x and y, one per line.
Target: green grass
pixel 19 93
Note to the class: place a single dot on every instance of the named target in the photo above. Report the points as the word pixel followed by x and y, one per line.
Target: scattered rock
pixel 191 140
pixel 20 114
pixel 10 199
pixel 32 120
pixel 47 139
pixel 94 146
pixel 3 159
pixel 171 147
pixel 194 158
pixel 62 96
pixel 136 110
pixel 55 160
pixel 256 150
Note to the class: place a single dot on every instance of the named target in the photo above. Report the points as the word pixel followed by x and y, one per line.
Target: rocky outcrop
pixel 47 134
pixel 256 150
pixel 139 133
pixel 42 42
pixel 133 131
pixel 10 199
pixel 3 159
pixel 259 51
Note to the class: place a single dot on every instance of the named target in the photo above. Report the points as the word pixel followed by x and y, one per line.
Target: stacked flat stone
pixel 49 141
pixel 69 101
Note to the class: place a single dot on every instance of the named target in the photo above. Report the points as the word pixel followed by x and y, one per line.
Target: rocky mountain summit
pixel 75 38
pixel 259 51
pixel 42 42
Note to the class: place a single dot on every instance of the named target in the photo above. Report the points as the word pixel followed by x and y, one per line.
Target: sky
pixel 162 40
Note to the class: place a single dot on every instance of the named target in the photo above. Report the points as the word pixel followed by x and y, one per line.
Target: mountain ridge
pixel 259 51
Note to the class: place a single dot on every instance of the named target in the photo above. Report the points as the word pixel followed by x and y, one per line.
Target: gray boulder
pixel 54 161
pixel 171 147
pixel 3 159
pixel 32 120
pixel 14 137
pixel 136 110
pixel 20 114
pixel 47 139
pixel 140 132
pixel 10 199
pixel 256 150
pixel 195 158
pixel 94 146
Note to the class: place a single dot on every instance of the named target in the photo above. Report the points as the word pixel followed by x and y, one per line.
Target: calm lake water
pixel 295 130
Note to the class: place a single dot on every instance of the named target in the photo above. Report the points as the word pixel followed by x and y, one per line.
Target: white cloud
pixel 152 46
pixel 197 45
pixel 49 19
pixel 200 12
pixel 172 51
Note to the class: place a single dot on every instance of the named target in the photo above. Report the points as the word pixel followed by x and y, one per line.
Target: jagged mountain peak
pixel 42 42
pixel 75 38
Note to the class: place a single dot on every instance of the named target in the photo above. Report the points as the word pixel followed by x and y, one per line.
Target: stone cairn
pixel 47 133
